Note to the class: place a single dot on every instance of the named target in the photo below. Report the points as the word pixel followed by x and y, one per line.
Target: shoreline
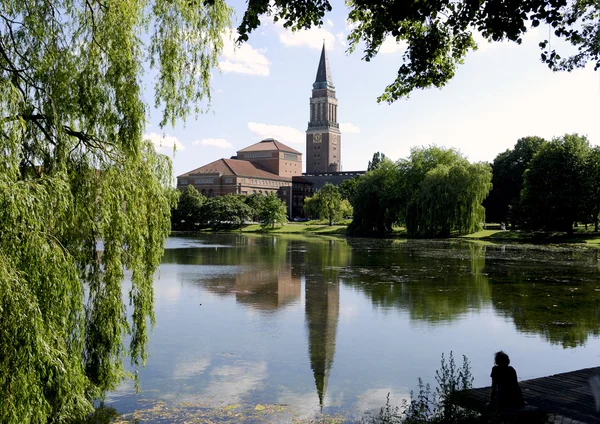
pixel 494 235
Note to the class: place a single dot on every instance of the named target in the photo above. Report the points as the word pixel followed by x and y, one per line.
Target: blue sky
pixel 501 93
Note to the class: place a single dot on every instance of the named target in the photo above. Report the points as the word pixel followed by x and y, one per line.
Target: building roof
pixel 269 144
pixel 323 79
pixel 240 168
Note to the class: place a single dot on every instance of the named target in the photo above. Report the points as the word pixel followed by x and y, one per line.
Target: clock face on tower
pixel 317 138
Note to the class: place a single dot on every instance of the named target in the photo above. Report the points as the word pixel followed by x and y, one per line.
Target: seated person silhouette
pixel 505 393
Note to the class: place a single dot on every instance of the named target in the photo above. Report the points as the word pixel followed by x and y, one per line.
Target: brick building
pixel 268 166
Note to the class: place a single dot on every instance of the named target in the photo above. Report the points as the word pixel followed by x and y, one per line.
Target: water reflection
pixel 322 306
pixel 558 299
pixel 253 319
pixel 434 282
pixel 259 288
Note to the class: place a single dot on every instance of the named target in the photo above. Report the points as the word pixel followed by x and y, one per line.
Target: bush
pixel 430 406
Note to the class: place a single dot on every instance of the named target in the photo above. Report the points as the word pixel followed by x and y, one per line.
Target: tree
pixel 438 35
pixel 327 204
pixel 553 196
pixel 330 203
pixel 255 201
pixel 187 216
pixel 378 157
pixel 450 199
pixel 348 188
pixel 82 196
pixel 312 206
pixel 376 203
pixel 592 186
pixel 273 211
pixel 442 193
pixel 507 179
pixel 229 211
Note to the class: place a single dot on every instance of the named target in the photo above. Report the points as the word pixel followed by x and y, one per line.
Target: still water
pixel 280 328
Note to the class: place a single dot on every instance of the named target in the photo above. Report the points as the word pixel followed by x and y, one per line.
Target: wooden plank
pixel 567 396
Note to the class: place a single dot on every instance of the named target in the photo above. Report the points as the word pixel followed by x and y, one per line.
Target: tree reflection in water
pixel 551 292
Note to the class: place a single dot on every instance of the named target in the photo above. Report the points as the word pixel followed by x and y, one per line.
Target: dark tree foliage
pixel 378 157
pixel 554 188
pixel 228 211
pixel 592 187
pixel 255 202
pixel 348 188
pixel 375 202
pixel 507 179
pixel 187 216
pixel 439 34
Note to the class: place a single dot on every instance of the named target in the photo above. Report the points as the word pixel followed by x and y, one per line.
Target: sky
pixel 501 93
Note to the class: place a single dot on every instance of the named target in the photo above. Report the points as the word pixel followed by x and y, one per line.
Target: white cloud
pixel 215 142
pixel 312 38
pixel 278 132
pixel 243 59
pixel 190 368
pixel 164 142
pixel 341 39
pixel 390 46
pixel 329 22
pixel 349 128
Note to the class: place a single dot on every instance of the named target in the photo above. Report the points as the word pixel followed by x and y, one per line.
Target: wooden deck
pixel 567 397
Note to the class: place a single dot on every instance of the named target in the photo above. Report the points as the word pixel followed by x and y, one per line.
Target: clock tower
pixel 323 137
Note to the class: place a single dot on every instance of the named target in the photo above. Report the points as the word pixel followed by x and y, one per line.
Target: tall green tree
pixel 592 186
pixel 273 211
pixel 187 216
pixel 450 199
pixel 554 189
pixel 255 201
pixel 442 193
pixel 82 196
pixel 507 179
pixel 348 188
pixel 438 35
pixel 312 206
pixel 376 203
pixel 327 204
pixel 330 202
pixel 378 158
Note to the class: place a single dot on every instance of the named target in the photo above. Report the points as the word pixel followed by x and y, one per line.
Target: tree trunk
pixel 596 226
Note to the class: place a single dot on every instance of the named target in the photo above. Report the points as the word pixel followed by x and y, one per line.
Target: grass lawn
pixel 579 236
pixel 297 228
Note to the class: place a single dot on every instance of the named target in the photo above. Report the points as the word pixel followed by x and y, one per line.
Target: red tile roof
pixel 240 168
pixel 269 144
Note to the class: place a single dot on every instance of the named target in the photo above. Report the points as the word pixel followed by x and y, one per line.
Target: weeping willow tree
pixel 82 196
pixel 444 192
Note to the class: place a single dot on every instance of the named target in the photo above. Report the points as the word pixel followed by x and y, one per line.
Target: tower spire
pixel 323 79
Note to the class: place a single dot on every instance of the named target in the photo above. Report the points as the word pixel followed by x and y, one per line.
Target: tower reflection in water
pixel 322 264
pixel 268 285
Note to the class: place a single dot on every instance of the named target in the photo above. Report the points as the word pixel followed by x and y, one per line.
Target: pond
pixel 253 328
